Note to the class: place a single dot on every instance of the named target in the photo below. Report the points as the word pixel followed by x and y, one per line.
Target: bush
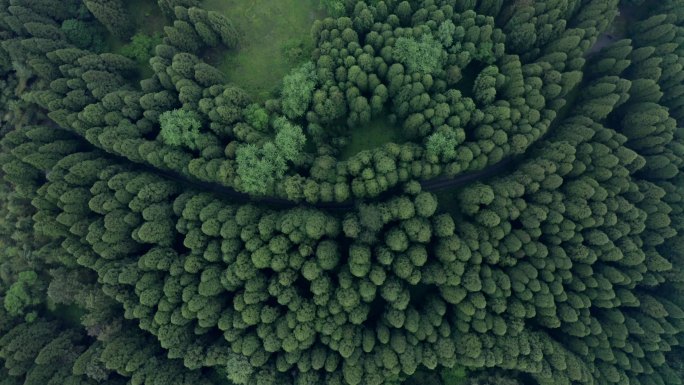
pixel 298 90
pixel 180 128
pixel 84 35
pixel 141 48
pixel 424 54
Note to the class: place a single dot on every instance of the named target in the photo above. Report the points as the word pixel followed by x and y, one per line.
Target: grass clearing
pixel 268 26
pixel 448 201
pixel 372 135
pixel 147 19
pixel 147 16
pixel 69 314
pixel 468 76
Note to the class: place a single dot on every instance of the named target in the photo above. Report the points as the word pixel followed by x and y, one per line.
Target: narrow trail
pixel 432 185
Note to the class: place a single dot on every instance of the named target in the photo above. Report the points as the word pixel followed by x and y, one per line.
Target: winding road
pixel 432 185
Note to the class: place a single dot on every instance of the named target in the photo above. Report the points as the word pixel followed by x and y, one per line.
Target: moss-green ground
pixel 69 314
pixel 147 19
pixel 369 136
pixel 259 64
pixel 146 15
pixel 448 201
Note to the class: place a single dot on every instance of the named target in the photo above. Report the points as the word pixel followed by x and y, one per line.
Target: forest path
pixel 431 185
pixel 436 184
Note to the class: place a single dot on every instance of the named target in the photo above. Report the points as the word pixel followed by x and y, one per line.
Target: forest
pixel 342 192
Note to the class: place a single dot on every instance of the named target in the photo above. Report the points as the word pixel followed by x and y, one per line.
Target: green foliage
pixel 423 54
pixel 257 172
pixel 551 254
pixel 454 376
pixel 23 295
pixel 84 35
pixel 260 168
pixel 484 88
pixel 445 33
pixel 289 140
pixel 297 90
pixel 257 117
pixel 141 47
pixel 273 36
pixel 180 128
pixel 113 15
pixel 334 8
pixel 444 143
pixel 297 51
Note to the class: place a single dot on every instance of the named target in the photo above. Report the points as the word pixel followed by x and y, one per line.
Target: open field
pixel 367 137
pixel 268 27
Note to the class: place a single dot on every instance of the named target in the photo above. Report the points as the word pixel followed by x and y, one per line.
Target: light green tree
pixel 260 168
pixel 424 54
pixel 23 294
pixel 180 128
pixel 298 90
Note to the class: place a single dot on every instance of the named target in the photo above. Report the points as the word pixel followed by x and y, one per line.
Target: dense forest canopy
pixel 342 192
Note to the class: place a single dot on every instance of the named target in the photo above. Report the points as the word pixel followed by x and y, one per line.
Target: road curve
pixel 432 185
